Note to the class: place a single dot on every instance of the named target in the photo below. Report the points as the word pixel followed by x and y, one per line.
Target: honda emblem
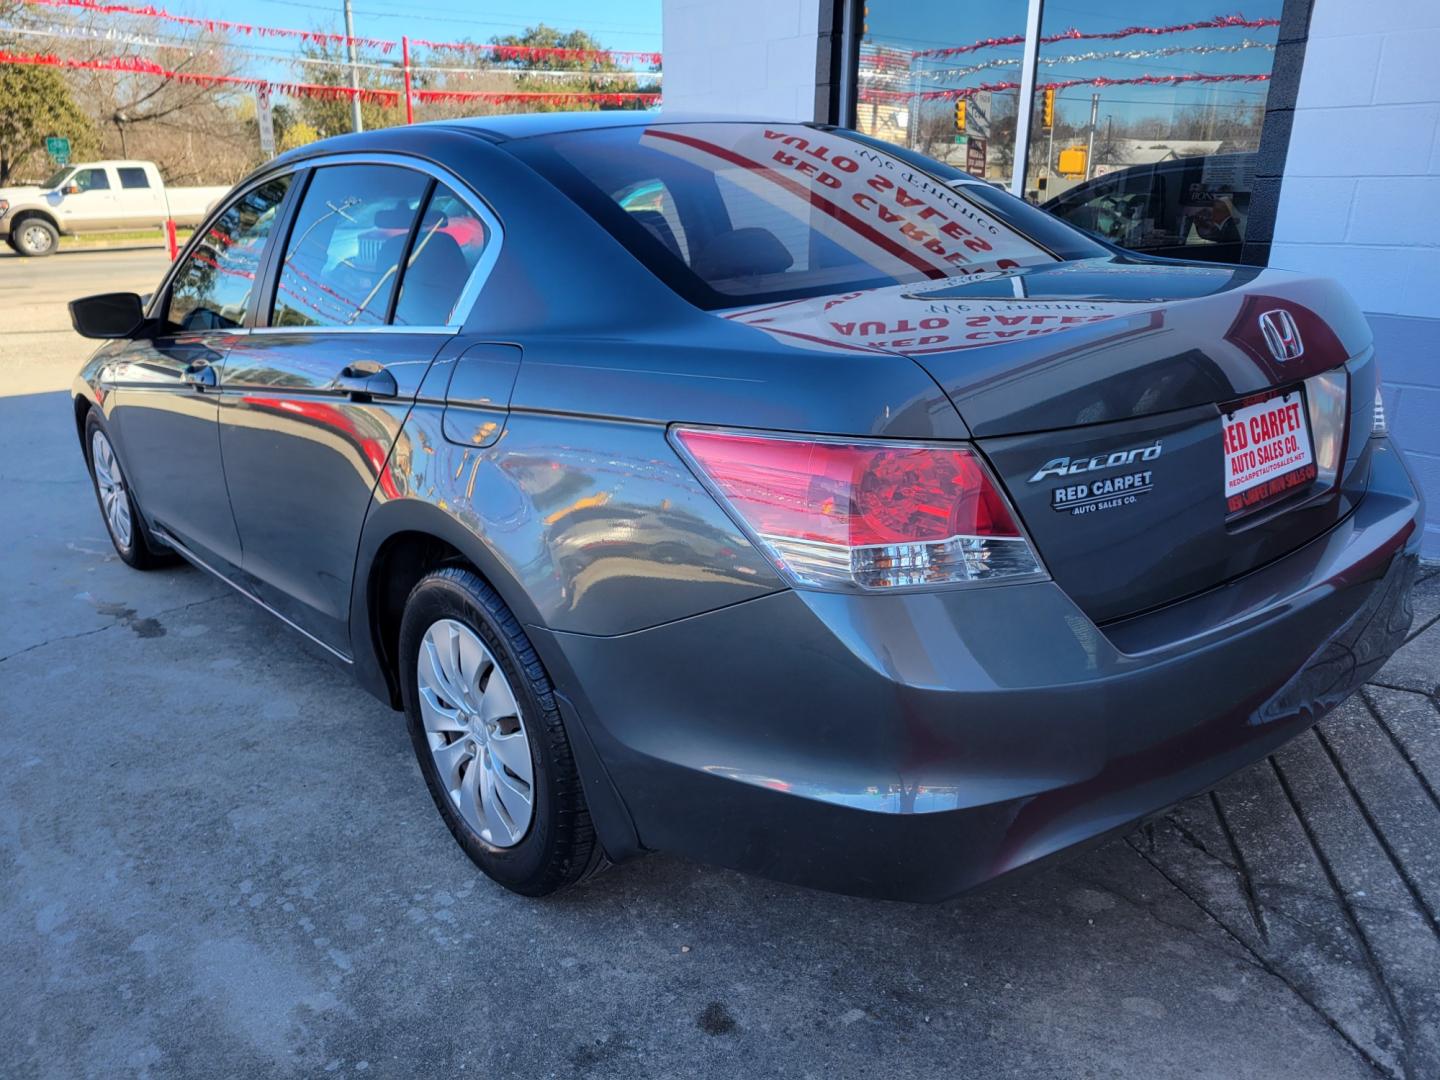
pixel 1281 334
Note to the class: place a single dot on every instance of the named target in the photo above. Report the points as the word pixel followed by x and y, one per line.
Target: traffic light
pixel 1047 110
pixel 960 117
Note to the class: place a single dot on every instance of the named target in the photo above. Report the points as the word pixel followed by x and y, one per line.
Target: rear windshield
pixel 741 213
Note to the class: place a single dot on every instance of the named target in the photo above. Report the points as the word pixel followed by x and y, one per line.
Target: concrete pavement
pixel 218 857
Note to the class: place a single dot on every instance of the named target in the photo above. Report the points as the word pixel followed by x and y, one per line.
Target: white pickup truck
pixel 97 196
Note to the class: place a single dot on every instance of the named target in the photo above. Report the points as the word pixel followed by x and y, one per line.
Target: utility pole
pixel 356 122
pixel 1090 151
pixel 1050 151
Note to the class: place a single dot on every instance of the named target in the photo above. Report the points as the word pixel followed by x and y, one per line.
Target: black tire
pixel 559 849
pixel 47 240
pixel 140 550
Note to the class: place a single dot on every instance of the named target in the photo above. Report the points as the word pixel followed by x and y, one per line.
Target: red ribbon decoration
pixel 515 97
pixel 318 37
pixel 138 66
pixel 1219 22
pixel 552 52
pixel 899 97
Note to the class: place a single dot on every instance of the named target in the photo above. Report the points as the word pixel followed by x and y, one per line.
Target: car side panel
pixel 302 457
pixel 594 526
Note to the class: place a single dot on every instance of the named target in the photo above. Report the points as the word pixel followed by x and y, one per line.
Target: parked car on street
pixel 1182 208
pixel 95 197
pixel 762 493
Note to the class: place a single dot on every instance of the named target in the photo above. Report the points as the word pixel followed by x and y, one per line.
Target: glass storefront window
pixel 1152 130
pixel 1144 124
pixel 920 59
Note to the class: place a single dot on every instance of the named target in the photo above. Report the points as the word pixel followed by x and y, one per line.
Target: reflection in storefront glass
pixel 1146 119
pixel 943 79
pixel 1145 134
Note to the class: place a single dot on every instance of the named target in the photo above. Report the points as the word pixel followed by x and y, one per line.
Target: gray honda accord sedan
pixel 758 492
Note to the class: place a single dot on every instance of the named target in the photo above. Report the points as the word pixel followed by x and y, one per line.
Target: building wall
pixel 752 57
pixel 1360 199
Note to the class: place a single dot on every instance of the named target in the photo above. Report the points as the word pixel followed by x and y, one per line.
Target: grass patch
pixel 109 239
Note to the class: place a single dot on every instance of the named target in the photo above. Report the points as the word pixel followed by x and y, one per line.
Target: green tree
pixel 594 74
pixel 38 104
pixel 487 71
pixel 332 116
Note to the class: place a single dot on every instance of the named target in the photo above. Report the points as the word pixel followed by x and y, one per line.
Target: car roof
pixel 528 125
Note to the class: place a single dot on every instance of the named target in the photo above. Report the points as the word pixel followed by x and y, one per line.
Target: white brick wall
pixel 752 57
pixel 1361 199
pixel 1361 196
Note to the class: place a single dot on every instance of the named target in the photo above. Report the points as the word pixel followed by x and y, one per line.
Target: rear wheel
pixel 489 738
pixel 34 236
pixel 117 504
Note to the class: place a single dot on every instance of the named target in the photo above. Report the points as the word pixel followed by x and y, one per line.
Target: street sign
pixel 979 118
pixel 975 157
pixel 58 148
pixel 265 119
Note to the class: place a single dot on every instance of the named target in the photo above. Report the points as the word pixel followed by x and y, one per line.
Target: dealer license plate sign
pixel 1267 450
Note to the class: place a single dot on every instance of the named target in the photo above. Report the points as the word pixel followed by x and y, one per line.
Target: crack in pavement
pixel 108 626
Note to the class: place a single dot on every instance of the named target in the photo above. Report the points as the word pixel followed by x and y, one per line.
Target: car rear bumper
pixel 914 746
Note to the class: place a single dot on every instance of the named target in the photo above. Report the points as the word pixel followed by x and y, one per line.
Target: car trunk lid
pixel 1112 396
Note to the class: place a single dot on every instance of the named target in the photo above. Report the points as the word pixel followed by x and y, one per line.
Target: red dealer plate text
pixel 1267 450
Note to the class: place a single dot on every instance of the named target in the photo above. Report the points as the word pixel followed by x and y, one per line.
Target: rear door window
pixel 448 244
pixel 342 261
pixel 133 178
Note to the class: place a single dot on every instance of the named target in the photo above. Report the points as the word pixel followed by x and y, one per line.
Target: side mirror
pixel 107 316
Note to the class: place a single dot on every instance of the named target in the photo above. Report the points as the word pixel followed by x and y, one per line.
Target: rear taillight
pixel 1378 426
pixel 846 514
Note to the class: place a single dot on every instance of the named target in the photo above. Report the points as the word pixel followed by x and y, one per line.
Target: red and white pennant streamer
pixel 870 94
pixel 316 37
pixel 139 66
pixel 548 52
pixel 1073 58
pixel 319 37
pixel 1219 22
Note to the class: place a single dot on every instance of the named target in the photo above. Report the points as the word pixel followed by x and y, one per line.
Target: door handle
pixel 200 375
pixel 364 382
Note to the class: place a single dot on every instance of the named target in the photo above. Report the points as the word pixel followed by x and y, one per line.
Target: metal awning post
pixel 1026 104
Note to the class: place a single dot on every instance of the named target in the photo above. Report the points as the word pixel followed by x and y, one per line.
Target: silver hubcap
pixel 476 733
pixel 112 489
pixel 34 238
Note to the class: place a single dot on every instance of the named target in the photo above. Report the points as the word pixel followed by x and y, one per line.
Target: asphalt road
pixel 38 350
pixel 218 858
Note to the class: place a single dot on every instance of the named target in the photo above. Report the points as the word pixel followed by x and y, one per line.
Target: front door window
pixel 212 289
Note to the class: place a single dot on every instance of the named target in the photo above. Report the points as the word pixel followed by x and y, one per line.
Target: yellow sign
pixel 1072 161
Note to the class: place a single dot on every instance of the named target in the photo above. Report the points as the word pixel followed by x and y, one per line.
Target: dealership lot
pixel 216 855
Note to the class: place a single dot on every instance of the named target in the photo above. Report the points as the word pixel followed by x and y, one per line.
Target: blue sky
pixel 620 24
